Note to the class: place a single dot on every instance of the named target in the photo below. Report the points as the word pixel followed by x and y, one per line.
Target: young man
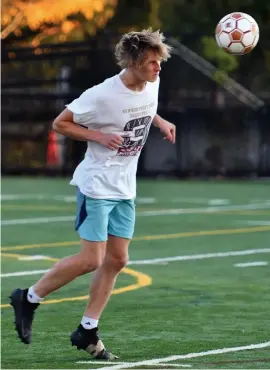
pixel 114 118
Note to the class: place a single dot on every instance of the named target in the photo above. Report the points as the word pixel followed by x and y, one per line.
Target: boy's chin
pixel 153 79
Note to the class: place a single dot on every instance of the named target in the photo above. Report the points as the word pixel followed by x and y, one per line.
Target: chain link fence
pixel 216 133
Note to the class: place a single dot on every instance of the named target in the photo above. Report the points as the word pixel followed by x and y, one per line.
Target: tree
pixel 194 23
pixel 51 20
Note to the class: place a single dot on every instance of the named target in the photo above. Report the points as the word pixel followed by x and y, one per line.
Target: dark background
pixel 216 133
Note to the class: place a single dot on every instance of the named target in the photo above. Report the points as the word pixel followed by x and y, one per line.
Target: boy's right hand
pixel 110 141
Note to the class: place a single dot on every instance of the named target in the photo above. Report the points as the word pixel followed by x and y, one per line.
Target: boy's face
pixel 150 67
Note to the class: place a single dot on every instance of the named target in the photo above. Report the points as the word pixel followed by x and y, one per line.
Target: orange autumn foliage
pixel 55 17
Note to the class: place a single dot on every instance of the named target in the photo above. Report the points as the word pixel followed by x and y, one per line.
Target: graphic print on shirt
pixel 136 132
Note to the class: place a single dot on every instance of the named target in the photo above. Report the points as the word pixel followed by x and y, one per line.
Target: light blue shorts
pixel 98 218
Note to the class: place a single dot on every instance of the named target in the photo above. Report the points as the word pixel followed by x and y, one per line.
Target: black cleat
pixel 89 341
pixel 24 314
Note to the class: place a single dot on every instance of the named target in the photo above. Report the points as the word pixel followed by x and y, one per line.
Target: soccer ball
pixel 237 33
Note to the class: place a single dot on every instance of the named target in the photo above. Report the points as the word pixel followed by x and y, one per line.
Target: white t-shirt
pixel 111 107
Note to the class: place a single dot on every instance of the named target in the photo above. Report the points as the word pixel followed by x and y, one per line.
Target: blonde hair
pixel 133 45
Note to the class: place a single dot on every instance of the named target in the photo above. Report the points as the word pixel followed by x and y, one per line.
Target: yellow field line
pixel 45 245
pixel 143 280
pixel 205 233
pixel 12 255
pixel 188 234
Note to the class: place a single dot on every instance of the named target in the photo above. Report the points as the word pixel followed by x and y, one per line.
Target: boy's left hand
pixel 169 130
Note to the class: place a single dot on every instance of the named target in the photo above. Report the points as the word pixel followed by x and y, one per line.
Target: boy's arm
pixel 166 127
pixel 64 124
pixel 157 120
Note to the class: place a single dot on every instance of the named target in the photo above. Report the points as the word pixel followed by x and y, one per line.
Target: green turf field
pixel 182 293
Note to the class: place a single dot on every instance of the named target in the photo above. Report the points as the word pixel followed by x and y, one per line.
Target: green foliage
pixel 192 20
pixel 195 21
pixel 212 52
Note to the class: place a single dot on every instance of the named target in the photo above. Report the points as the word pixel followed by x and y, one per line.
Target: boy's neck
pixel 131 81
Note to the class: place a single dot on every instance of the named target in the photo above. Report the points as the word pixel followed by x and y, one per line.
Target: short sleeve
pixel 84 108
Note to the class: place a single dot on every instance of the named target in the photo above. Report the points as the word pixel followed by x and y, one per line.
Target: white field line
pixel 39 220
pixel 205 201
pixel 258 223
pixel 179 211
pixel 64 198
pixel 146 200
pixel 259 200
pixel 218 202
pixel 199 256
pixel 157 361
pixel 14 197
pixel 174 365
pixel 159 260
pixel 140 200
pixel 10 197
pixel 172 212
pixel 24 273
pixel 33 258
pixel 98 362
pixel 72 198
pixel 124 363
pixel 251 264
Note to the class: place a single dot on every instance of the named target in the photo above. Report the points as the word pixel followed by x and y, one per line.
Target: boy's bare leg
pixel 86 335
pixel 24 303
pixel 67 269
pixel 116 257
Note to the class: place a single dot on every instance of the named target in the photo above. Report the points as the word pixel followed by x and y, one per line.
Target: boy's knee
pixel 89 265
pixel 117 261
